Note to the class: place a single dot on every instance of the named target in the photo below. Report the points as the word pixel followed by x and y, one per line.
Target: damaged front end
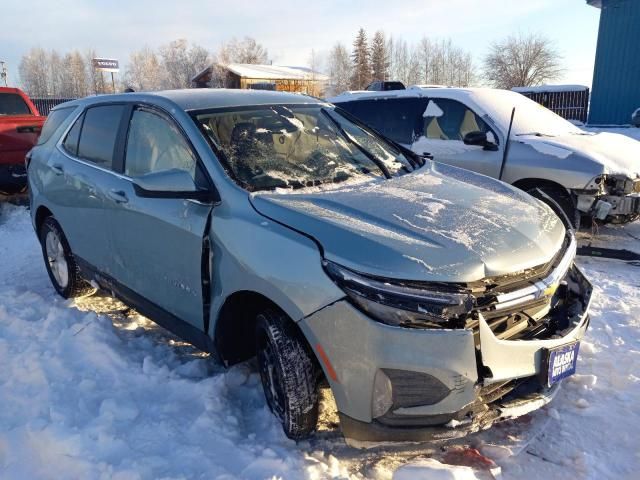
pixel 610 197
pixel 465 366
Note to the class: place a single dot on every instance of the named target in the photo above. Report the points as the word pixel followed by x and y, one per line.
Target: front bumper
pixel 474 376
pixel 619 193
pixel 624 204
pixel 360 433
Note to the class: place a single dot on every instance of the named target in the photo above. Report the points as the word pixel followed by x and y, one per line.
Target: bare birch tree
pixel 246 50
pixel 144 71
pixel 339 69
pixel 34 72
pixel 180 62
pixel 522 61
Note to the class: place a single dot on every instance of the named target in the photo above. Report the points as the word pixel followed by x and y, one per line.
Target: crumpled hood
pixel 438 224
pixel 615 152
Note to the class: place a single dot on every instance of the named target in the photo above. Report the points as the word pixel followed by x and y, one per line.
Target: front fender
pixel 572 172
pixel 251 252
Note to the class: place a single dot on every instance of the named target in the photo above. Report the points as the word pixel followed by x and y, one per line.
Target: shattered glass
pixel 297 146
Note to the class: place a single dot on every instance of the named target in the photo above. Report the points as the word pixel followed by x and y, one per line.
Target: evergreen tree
pixel 361 62
pixel 379 57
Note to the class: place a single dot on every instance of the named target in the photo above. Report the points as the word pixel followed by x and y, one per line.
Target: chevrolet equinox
pixel 434 301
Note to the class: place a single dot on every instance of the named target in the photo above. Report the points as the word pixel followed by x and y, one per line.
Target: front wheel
pixel 61 266
pixel 288 373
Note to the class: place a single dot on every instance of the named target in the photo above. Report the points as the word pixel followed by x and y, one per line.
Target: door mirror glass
pixel 475 138
pixel 173 181
pixel 480 139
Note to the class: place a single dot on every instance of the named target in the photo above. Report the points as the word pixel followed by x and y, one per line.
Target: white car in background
pixel 587 174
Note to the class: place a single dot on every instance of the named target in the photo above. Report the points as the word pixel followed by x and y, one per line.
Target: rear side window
pixel 70 143
pixel 54 120
pixel 99 133
pixel 13 104
pixel 395 118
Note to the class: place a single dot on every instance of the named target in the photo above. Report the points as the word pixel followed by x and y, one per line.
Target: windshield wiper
pixel 366 152
pixel 535 134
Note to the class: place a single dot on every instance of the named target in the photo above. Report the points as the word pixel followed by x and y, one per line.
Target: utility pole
pixel 3 74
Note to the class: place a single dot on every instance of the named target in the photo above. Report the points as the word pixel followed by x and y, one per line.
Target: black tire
pixel 557 197
pixel 74 286
pixel 289 374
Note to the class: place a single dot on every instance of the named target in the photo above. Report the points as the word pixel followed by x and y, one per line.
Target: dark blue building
pixel 615 92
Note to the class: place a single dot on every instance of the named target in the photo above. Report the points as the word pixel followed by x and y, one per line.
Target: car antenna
pixel 507 144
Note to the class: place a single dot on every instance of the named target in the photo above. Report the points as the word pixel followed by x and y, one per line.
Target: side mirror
pixel 172 183
pixel 479 139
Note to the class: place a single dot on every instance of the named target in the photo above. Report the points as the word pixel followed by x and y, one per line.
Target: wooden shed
pixel 265 77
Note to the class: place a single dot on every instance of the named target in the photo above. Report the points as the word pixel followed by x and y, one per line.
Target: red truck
pixel 20 126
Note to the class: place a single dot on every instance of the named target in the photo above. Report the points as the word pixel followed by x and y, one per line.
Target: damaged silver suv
pixel 433 301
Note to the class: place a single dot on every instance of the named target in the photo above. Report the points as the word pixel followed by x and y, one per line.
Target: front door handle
pixel 57 169
pixel 118 196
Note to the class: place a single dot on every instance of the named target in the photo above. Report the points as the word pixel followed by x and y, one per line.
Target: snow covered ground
pixel 91 390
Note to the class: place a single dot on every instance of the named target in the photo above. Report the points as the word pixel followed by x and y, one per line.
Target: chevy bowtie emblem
pixel 551 289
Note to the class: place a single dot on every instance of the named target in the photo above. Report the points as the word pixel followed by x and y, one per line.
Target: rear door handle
pixel 57 169
pixel 118 196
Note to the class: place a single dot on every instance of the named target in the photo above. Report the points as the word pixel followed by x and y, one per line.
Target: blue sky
pixel 290 29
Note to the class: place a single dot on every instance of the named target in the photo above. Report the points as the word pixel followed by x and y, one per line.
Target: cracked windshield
pixel 298 146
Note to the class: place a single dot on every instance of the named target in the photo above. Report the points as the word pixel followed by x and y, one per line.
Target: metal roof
pixel 274 72
pixel 267 72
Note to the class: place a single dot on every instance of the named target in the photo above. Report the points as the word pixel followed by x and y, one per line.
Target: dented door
pixel 159 241
pixel 158 245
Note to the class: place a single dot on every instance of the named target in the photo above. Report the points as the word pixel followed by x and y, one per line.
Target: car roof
pixel 414 91
pixel 203 98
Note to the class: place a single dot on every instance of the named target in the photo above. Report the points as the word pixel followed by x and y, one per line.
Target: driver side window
pixel 154 145
pixel 446 119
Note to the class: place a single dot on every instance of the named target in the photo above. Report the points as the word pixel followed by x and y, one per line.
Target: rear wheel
pixel 288 373
pixel 63 271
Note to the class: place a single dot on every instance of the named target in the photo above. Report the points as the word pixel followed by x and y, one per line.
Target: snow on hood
pixel 616 153
pixel 439 224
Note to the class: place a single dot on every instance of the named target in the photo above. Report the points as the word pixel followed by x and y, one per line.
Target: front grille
pixel 527 307
pixel 522 279
pixel 495 391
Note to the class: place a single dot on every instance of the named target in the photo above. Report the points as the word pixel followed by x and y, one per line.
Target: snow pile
pixel 110 395
pixel 545 148
pixel 631 132
pixel 433 470
pixel 274 72
pixel 432 110
pixel 90 389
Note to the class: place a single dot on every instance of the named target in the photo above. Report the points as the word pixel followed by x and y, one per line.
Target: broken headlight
pixel 398 304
